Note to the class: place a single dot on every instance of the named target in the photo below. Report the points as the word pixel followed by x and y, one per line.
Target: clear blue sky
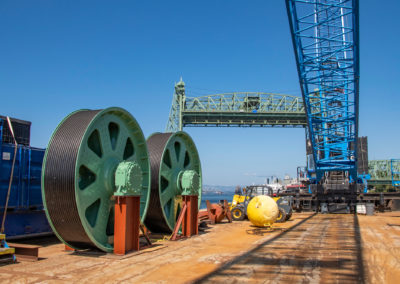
pixel 59 56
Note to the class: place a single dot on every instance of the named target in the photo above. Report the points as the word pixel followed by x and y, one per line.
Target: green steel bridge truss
pixel 384 172
pixel 241 109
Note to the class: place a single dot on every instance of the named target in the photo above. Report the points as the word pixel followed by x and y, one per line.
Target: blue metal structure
pixel 395 169
pixel 25 215
pixel 326 42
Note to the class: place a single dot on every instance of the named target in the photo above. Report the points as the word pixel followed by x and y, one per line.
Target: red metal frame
pixel 227 210
pixel 187 218
pixel 190 225
pixel 216 213
pixel 126 224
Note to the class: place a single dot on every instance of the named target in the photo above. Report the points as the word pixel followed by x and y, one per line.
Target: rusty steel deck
pixel 310 248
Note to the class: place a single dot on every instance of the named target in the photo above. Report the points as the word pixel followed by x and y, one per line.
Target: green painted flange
pixel 179 159
pixel 112 138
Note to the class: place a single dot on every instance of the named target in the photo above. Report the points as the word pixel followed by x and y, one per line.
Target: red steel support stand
pixel 67 248
pixel 190 224
pixel 187 218
pixel 126 224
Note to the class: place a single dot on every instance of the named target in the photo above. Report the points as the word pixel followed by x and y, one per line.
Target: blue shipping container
pixel 25 214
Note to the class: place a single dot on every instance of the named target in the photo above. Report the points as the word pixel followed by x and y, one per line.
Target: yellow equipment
pixel 262 211
pixel 240 202
pixel 6 253
pixel 285 208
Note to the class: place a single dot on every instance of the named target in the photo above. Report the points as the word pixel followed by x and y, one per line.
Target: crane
pixel 325 37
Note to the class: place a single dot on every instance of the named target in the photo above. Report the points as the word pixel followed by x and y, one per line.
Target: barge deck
pixel 316 248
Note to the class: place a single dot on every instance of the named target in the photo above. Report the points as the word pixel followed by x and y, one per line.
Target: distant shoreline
pixel 217 192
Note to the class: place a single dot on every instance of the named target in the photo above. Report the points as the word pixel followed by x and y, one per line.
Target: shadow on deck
pixel 320 248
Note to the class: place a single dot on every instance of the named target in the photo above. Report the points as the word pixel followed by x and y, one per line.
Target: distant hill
pixel 223 188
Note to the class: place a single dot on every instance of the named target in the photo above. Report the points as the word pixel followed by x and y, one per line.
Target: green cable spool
pixel 175 171
pixel 79 175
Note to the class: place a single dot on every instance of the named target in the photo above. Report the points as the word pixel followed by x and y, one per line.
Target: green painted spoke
pixel 89 195
pixel 189 165
pixel 182 155
pixel 167 195
pixel 105 138
pixel 172 213
pixel 172 152
pixel 165 167
pixel 90 160
pixel 121 142
pixel 88 156
pixel 166 172
pixel 102 219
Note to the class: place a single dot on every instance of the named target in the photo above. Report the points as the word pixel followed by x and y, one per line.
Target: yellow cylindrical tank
pixel 262 211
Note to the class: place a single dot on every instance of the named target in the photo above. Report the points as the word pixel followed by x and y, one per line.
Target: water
pixel 215 198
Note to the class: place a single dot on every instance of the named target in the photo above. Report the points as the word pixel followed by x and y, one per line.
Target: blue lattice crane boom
pixel 325 35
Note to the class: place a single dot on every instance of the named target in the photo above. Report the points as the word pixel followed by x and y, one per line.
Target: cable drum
pixel 59 169
pixel 78 174
pixel 170 155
